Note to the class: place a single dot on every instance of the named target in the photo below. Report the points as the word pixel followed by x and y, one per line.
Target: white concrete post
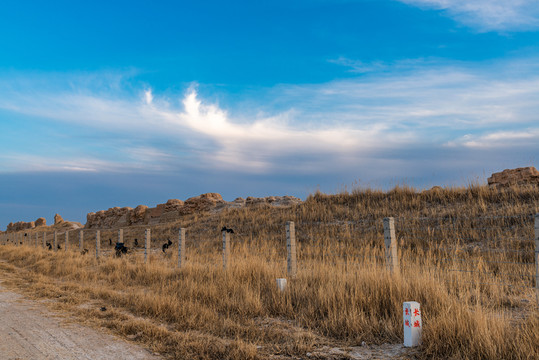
pixel 226 249
pixel 181 248
pixel 97 243
pixel 121 236
pixel 390 241
pixel 81 240
pixel 412 323
pixel 44 239
pixel 147 245
pixel 281 284
pixel 55 247
pixel 67 240
pixel 537 258
pixel 292 266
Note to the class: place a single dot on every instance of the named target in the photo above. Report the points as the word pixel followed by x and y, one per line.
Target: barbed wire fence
pixel 482 247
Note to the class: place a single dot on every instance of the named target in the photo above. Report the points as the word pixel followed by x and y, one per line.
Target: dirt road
pixel 29 331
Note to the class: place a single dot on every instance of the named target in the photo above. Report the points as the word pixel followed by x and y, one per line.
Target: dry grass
pixel 343 293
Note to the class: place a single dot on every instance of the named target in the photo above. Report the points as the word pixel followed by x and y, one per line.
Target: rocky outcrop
pixel 515 177
pixel 174 209
pixel 20 225
pixel 60 224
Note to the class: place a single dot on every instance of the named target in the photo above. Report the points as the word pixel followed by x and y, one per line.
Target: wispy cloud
pixel 324 128
pixel 488 15
pixel 358 66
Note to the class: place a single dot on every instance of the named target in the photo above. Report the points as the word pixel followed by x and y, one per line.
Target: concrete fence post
pixel 537 258
pixel 55 247
pixel 147 245
pixel 81 240
pixel 97 243
pixel 67 240
pixel 37 238
pixel 121 236
pixel 44 239
pixel 226 248
pixel 390 240
pixel 181 248
pixel 292 266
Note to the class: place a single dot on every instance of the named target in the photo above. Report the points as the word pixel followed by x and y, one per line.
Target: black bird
pixel 230 231
pixel 49 246
pixel 136 242
pixel 59 247
pixel 110 242
pixel 103 308
pixel 120 249
pixel 166 246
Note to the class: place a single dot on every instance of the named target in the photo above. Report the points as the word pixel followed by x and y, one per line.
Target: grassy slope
pixel 342 294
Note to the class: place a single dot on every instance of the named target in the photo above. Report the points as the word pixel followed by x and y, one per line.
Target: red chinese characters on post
pixel 416 312
pixel 406 311
pixel 407 323
pixel 416 323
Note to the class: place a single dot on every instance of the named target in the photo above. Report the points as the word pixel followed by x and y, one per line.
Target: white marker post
pixel 67 240
pixel 281 284
pixel 412 323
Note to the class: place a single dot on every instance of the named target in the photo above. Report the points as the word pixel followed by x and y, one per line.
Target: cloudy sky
pixel 120 103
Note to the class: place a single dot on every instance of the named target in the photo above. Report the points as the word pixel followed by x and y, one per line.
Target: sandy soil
pixel 29 331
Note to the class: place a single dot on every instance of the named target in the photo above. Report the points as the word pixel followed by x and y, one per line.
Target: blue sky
pixel 121 103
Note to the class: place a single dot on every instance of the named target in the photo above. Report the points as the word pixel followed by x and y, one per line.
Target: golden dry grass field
pixel 465 254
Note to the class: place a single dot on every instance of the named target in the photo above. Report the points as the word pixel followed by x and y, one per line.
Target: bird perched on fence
pixel 49 246
pixel 230 231
pixel 120 249
pixel 59 247
pixel 166 246
pixel 136 242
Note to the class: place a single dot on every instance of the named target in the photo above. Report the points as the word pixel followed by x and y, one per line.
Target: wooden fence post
pixel 292 266
pixel 392 261
pixel 181 248
pixel 537 258
pixel 147 246
pixel 67 240
pixel 81 240
pixel 226 248
pixel 97 243
pixel 55 242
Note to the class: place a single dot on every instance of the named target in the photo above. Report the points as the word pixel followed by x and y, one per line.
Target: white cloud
pixel 328 127
pixel 503 139
pixel 487 15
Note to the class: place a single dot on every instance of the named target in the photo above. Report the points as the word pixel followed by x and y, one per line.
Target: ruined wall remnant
pixel 515 177
pixel 174 209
